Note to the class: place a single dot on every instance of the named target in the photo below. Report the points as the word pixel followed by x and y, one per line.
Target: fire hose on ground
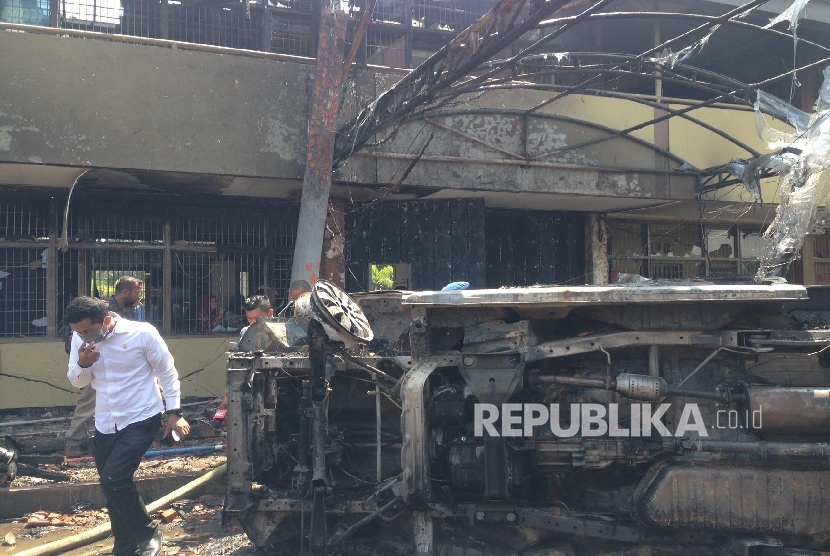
pixel 101 531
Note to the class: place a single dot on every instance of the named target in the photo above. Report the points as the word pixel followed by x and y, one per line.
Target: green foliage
pixel 383 277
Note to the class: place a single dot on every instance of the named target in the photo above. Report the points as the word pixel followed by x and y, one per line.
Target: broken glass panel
pixel 804 186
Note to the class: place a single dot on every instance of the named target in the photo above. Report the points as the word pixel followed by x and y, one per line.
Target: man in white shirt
pixel 121 360
pixel 125 303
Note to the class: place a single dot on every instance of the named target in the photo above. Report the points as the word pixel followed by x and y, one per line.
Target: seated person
pixel 208 315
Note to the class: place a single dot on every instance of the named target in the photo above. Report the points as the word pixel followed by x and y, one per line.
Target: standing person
pixel 121 360
pixel 127 298
pixel 124 302
pixel 256 306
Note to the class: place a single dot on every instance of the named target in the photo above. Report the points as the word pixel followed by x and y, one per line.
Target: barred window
pixel 23 292
pixel 659 250
pixel 197 264
pixel 24 260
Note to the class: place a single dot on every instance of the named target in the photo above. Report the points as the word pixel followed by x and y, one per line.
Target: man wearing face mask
pixel 121 360
pixel 125 302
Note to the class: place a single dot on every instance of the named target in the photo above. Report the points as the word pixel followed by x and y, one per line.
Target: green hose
pixel 101 531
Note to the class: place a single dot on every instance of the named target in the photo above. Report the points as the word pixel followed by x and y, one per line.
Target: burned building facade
pixel 168 140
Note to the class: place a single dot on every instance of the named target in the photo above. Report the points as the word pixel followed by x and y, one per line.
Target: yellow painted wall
pixel 46 361
pixel 610 112
pixel 705 149
pixel 688 140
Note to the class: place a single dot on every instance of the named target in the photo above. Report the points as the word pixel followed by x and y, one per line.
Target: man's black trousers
pixel 117 457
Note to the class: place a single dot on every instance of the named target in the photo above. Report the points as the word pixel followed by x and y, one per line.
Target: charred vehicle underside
pixel 658 419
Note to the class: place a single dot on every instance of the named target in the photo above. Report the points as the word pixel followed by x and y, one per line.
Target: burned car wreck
pixel 670 418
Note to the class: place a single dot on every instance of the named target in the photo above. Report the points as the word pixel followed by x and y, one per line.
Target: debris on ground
pixel 87 473
pixel 192 527
pixel 46 519
pixel 170 514
pixel 40 524
pixel 37 436
pixel 10 539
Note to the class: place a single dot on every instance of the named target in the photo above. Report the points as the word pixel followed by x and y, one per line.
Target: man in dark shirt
pixel 123 303
pixel 126 299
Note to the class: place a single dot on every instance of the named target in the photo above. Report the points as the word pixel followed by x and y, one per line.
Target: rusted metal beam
pixel 322 118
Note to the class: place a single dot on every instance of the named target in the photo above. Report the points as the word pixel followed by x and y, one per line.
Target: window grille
pixel 140 19
pixel 448 15
pixel 69 284
pixel 24 221
pixel 103 16
pixel 296 5
pixel 291 37
pixel 125 230
pixel 247 26
pixel 105 267
pixel 216 25
pixel 210 249
pixel 538 69
pixel 23 292
pixel 24 237
pixel 386 47
pixel 281 277
pixel 28 12
pixel 389 11
pixel 676 250
pixel 248 232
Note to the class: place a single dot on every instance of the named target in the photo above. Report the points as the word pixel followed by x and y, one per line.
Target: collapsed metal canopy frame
pixel 446 75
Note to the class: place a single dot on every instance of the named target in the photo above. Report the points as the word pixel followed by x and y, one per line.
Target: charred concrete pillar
pixel 596 248
pixel 334 246
pixel 325 105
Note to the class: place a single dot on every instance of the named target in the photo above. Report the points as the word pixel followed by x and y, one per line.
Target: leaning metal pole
pixel 322 117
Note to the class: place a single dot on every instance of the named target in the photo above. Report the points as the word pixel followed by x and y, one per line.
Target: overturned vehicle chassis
pixel 336 445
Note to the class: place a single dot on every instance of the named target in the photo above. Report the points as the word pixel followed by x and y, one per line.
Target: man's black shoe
pixel 152 546
pixel 121 551
pixel 124 547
